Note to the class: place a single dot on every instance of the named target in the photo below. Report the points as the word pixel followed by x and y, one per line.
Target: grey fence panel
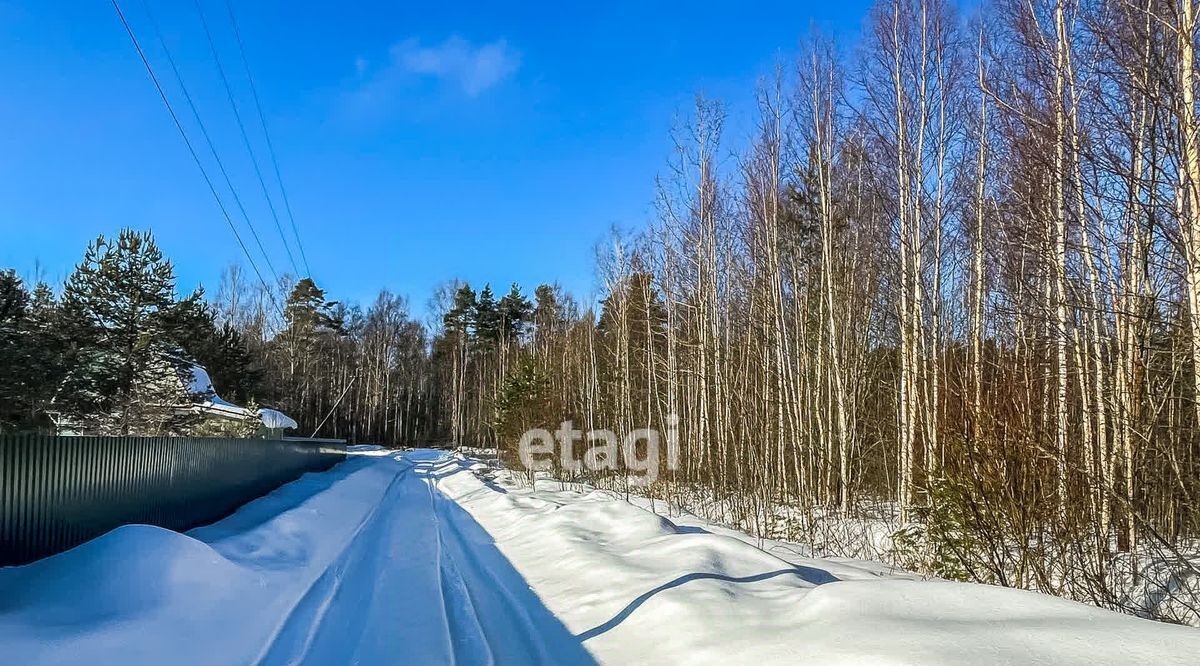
pixel 58 492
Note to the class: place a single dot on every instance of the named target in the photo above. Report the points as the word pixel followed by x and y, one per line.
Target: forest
pixel 99 351
pixel 948 290
pixel 941 307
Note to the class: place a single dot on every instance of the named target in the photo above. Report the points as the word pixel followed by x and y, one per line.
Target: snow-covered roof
pixel 201 386
pixel 272 418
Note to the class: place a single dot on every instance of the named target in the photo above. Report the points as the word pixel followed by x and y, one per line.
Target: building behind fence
pixel 58 492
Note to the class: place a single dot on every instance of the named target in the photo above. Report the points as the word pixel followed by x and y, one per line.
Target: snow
pixel 200 384
pixel 618 574
pixel 272 418
pixel 424 557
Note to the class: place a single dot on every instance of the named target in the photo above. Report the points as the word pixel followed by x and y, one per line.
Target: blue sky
pixel 419 141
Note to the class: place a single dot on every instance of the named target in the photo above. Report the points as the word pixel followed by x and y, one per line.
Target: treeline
pixel 104 353
pixel 340 369
pixel 952 284
pixel 109 352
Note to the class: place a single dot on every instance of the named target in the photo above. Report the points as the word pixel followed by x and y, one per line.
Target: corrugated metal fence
pixel 58 492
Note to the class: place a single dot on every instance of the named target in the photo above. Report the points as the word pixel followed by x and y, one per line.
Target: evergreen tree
pixel 14 348
pixel 189 324
pixel 14 300
pixel 220 349
pixel 631 332
pixel 523 403
pixel 459 320
pixel 117 308
pixel 645 314
pixel 308 310
pixel 307 316
pixel 801 211
pixel 547 308
pixel 487 318
pixel 313 325
pixel 515 311
pixel 460 324
pixel 233 368
pixel 549 317
pixel 44 368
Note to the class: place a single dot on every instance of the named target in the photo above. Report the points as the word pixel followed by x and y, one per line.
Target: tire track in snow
pixel 379 602
pixel 420 582
pixel 297 633
pixel 517 628
pixel 467 638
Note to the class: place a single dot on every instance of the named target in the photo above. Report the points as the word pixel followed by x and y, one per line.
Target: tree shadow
pixel 690 529
pixel 809 574
pixel 437 469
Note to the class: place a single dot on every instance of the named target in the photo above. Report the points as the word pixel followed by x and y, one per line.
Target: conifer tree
pixel 460 318
pixel 307 310
pixel 514 311
pixel 523 403
pixel 460 323
pixel 117 309
pixel 546 309
pixel 313 327
pixel 232 367
pixel 43 358
pixel 220 349
pixel 307 317
pixel 14 348
pixel 487 318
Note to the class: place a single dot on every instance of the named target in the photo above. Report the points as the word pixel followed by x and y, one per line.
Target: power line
pixel 212 148
pixel 212 45
pixel 191 149
pixel 270 146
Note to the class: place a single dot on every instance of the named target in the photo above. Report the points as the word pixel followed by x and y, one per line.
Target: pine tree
pixel 189 324
pixel 309 312
pixel 460 318
pixel 14 300
pixel 644 309
pixel 308 316
pixel 515 312
pixel 14 348
pixel 459 323
pixel 523 403
pixel 116 310
pixel 547 309
pixel 313 327
pixel 487 318
pixel 220 349
pixel 44 367
pixel 232 367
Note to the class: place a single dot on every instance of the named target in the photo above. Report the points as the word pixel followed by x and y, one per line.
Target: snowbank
pixel 217 595
pixel 641 589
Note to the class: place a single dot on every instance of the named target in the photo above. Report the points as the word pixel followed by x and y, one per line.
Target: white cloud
pixel 470 68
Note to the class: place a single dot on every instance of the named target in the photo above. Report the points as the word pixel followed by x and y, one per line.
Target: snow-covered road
pixel 421 583
pixel 420 558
